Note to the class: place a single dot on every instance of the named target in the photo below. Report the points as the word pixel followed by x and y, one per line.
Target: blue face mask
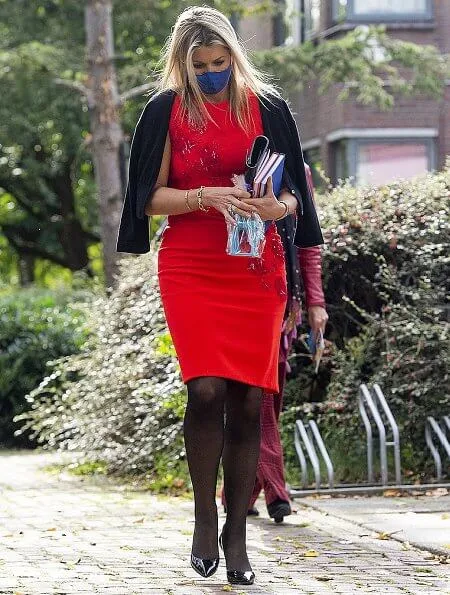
pixel 214 82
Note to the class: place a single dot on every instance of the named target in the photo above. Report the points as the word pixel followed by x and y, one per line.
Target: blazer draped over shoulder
pixel 146 154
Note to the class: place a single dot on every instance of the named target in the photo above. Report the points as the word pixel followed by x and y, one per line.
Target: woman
pixel 224 313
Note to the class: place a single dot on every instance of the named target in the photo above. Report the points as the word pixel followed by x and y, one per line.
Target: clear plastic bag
pixel 246 237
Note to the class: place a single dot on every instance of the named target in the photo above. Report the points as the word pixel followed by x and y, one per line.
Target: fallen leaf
pixel 437 493
pixel 311 554
pixel 227 588
pixel 445 516
pixel 391 493
pixel 51 529
pixel 140 520
pixel 277 538
pixel 384 535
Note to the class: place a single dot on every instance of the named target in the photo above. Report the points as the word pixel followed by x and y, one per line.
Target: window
pixel 279 29
pixel 379 161
pixel 310 18
pixel 382 10
pixel 314 160
pixel 341 160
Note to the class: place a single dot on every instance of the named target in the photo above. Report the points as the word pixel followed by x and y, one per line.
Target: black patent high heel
pixel 238 577
pixel 204 566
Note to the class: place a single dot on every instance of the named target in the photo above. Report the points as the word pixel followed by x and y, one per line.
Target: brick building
pixel 347 139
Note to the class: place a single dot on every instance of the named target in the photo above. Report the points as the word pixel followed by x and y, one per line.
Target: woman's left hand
pixel 317 318
pixel 267 207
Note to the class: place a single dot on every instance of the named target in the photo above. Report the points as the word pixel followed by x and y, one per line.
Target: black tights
pixel 207 439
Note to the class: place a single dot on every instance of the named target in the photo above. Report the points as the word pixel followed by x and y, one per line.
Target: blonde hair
pixel 204 26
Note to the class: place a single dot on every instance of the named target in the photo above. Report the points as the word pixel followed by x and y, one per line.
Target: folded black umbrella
pixel 257 153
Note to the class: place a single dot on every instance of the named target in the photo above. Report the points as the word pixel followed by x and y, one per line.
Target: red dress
pixel 224 312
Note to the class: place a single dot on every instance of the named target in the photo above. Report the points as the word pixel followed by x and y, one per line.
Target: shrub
pixel 407 355
pixel 385 245
pixel 120 400
pixel 35 326
pixel 386 279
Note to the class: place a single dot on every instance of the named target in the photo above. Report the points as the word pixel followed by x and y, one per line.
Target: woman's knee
pixel 244 417
pixel 206 394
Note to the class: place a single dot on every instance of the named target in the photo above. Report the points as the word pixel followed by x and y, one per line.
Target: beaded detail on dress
pixel 268 265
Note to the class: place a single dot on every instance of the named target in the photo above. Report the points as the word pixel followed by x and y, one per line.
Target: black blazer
pixel 147 149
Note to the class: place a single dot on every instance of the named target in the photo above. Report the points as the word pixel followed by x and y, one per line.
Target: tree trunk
pixel 26 269
pixel 71 236
pixel 106 130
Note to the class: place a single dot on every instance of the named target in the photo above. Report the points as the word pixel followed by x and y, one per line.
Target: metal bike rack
pixel 379 424
pixel 309 436
pixel 440 433
pixel 373 403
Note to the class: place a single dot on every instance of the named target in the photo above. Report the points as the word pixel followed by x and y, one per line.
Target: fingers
pixel 228 217
pixel 239 193
pixel 318 325
pixel 243 206
pixel 255 202
pixel 269 187
pixel 243 213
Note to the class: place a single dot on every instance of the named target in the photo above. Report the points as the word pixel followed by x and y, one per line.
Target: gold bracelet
pixel 286 210
pixel 199 200
pixel 186 198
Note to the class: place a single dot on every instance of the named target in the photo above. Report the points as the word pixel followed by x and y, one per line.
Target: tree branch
pixel 19 195
pixel 134 91
pixel 31 248
pixel 79 88
pixel 74 85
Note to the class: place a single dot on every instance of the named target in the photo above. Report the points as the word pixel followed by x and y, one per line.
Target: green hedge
pixel 36 326
pixel 386 275
pixel 120 401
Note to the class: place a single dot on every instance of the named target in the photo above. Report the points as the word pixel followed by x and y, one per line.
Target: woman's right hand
pixel 221 198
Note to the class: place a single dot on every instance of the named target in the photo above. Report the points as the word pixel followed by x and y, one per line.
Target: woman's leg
pixel 203 437
pixel 240 459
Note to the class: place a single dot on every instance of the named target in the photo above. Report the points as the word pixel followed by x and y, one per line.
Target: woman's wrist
pixel 288 198
pixel 284 210
pixel 187 200
pixel 200 197
pixel 195 199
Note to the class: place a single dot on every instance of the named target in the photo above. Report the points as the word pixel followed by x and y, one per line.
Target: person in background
pixel 270 471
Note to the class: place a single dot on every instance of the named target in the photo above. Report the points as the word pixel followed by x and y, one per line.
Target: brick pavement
pixel 65 535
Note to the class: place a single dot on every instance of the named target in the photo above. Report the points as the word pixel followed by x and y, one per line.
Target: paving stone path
pixel 65 535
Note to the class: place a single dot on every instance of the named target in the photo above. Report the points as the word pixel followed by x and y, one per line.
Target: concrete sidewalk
pixel 422 520
pixel 64 535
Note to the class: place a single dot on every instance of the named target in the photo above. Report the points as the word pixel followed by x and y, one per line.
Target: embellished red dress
pixel 224 312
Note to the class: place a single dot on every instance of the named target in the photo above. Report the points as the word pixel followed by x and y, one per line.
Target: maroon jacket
pixel 310 260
